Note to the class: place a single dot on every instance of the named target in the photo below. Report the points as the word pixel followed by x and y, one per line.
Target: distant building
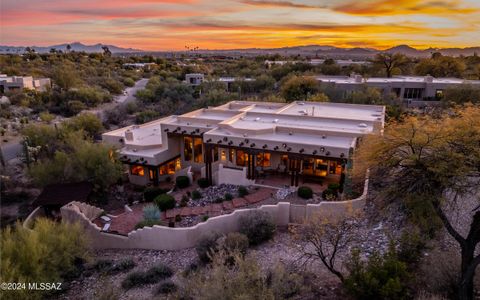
pixel 340 62
pixel 415 90
pixel 138 65
pixel 229 81
pixel 194 79
pixel 12 83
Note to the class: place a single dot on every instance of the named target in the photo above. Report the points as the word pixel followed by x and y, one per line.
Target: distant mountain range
pixel 308 50
pixel 76 46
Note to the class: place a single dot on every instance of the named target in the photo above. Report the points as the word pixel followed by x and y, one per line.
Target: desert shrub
pixel 165 202
pixel 178 218
pixel 165 287
pixel 159 272
pixel 242 191
pixel 196 195
pixel 151 213
pixel 49 253
pixel 122 266
pixel 203 182
pixel 329 194
pixel 182 182
pixel 103 265
pixel 222 281
pixel 150 193
pixel 147 223
pixel 228 197
pixel 334 187
pixel 285 283
pixel 258 226
pixel 204 218
pixel 380 277
pixel 236 242
pixel 207 247
pixel 305 192
pixel 152 275
pixel 412 244
pixel 184 201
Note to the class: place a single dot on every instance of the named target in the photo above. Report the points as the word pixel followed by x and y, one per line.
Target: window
pixel 321 167
pixel 137 170
pixel 188 148
pixel 263 159
pixel 198 150
pixel 231 153
pixel 308 166
pixel 170 167
pixel 413 94
pixel 438 94
pixel 151 174
pixel 242 158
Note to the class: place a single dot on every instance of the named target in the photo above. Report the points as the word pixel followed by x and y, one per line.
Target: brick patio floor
pixel 125 222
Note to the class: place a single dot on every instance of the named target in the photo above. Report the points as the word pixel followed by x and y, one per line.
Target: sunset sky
pixel 227 24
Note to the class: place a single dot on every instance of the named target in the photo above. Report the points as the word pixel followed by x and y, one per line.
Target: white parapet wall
pixel 166 238
pixel 230 175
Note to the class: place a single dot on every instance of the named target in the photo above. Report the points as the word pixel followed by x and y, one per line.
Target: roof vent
pixel 129 135
pixel 362 125
pixel 301 103
pixel 303 112
pixel 275 121
pixel 257 119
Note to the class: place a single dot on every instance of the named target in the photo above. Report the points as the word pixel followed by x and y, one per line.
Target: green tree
pixel 441 66
pixel 48 253
pixel 66 77
pixel 418 162
pixel 390 62
pixel 299 88
pixel 87 122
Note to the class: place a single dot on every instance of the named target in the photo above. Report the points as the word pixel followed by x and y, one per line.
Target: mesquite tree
pixel 431 162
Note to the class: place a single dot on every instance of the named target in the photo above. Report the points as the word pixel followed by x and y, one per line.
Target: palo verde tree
pixel 429 164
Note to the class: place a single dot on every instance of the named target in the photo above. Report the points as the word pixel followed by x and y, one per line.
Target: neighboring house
pixel 145 66
pixel 414 90
pixel 240 141
pixel 12 83
pixel 229 81
pixel 340 62
pixel 194 79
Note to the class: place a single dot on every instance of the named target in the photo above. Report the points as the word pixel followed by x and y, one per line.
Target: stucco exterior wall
pixel 166 238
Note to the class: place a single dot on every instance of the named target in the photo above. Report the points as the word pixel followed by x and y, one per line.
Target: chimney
pixel 129 135
pixel 428 79
pixel 358 78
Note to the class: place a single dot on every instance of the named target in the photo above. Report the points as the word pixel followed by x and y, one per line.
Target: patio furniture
pixel 106 227
pixel 105 219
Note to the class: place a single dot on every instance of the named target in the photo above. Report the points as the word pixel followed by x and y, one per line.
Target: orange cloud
pixel 396 7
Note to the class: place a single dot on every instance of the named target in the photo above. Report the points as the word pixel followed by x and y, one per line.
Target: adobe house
pixel 244 142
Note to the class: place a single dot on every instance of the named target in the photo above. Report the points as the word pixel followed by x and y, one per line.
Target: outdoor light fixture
pixel 314 152
pixel 252 145
pixel 322 149
pixel 284 145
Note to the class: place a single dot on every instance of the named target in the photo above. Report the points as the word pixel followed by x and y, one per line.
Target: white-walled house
pixel 415 90
pixel 12 83
pixel 241 140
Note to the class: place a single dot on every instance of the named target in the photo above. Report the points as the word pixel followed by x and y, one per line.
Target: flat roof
pixel 313 124
pixel 405 79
